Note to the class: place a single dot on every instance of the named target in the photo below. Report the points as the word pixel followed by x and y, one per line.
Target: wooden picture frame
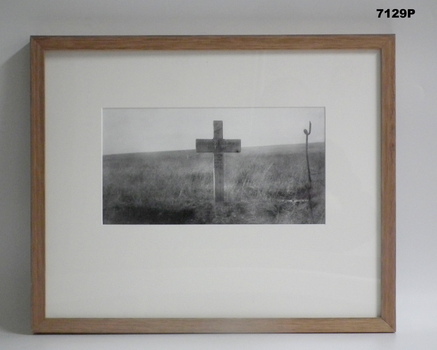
pixel 43 140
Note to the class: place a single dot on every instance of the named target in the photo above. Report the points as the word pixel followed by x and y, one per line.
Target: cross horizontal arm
pixel 218 146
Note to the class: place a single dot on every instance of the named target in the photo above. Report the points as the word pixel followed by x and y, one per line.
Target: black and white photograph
pixel 194 166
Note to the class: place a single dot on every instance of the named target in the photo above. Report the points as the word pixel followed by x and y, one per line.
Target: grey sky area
pixel 165 129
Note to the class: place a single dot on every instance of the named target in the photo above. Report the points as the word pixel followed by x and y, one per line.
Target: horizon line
pixel 193 149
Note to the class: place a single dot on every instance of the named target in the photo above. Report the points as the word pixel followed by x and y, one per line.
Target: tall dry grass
pixel 262 186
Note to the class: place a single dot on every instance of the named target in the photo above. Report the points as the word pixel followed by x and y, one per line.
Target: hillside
pixel 263 185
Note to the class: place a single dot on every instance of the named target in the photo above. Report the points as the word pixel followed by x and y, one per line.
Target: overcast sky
pixel 128 130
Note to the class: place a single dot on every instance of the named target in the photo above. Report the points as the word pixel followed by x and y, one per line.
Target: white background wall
pixel 416 149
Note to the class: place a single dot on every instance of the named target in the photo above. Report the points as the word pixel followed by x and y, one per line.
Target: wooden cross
pixel 218 146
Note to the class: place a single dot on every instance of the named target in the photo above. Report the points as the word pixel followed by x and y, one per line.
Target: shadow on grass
pixel 243 212
pixel 147 216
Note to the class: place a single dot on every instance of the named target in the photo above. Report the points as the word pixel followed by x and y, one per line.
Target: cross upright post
pixel 218 146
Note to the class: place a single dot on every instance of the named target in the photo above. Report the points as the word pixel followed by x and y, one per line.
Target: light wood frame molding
pixel 386 322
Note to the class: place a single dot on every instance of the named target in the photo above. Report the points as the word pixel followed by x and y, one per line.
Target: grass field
pixel 263 185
